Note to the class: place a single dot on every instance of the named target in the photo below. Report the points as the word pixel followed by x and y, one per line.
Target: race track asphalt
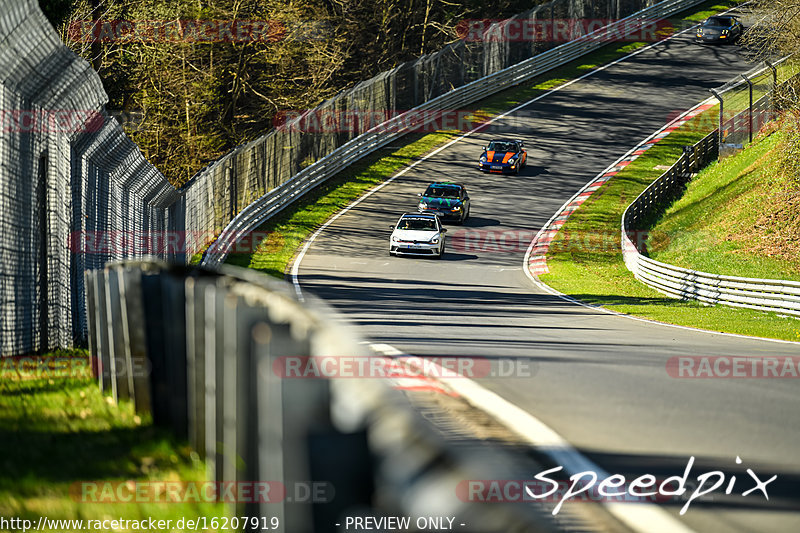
pixel 597 379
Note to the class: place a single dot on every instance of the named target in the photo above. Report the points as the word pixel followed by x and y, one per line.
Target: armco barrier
pixel 761 294
pixel 309 178
pixel 202 352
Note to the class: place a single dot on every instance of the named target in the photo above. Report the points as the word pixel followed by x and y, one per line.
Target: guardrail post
pixel 115 341
pixel 120 370
pixel 101 327
pixel 214 367
pixel 275 397
pixel 165 316
pixel 91 323
pixel 195 362
pixel 133 328
pixel 174 303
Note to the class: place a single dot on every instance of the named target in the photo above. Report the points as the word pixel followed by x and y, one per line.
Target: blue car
pixel 503 157
pixel 449 201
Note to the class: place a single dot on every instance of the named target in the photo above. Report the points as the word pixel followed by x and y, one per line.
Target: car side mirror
pixel 419 194
pixel 484 148
pixel 466 198
pixel 391 227
pixel 444 230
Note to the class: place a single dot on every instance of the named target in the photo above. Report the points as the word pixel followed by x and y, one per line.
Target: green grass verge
pixel 57 432
pixel 729 220
pixel 708 9
pixel 287 231
pixel 596 273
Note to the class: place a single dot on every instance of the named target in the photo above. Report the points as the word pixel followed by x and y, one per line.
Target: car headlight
pixel 512 161
pixel 394 238
pixel 483 159
pixel 457 208
pixel 423 205
pixel 435 240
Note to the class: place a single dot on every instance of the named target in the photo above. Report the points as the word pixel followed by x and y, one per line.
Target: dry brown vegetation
pixel 199 100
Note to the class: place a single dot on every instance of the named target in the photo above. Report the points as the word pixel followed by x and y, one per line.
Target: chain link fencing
pixel 70 180
pixel 748 102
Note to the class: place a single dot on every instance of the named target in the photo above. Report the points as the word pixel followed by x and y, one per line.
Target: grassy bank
pixel 59 431
pixel 597 274
pixel 737 217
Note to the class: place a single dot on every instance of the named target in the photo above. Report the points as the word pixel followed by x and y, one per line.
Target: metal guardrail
pixel 201 351
pixel 761 294
pixel 255 214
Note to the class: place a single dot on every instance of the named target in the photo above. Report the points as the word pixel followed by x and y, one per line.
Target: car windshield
pixel 440 191
pixel 502 147
pixel 717 22
pixel 417 224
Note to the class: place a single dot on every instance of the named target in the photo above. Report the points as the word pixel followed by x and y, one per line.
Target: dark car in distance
pixel 720 29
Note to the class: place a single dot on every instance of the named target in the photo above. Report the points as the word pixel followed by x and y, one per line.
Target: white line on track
pixel 639 517
pixel 307 245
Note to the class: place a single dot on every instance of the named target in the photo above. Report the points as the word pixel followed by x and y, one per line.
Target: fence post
pixel 750 108
pixel 42 252
pixel 721 112
pixel 774 73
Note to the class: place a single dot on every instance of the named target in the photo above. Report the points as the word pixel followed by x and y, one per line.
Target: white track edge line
pixel 295 273
pixel 639 517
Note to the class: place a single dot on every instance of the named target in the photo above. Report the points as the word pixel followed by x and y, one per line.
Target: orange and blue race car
pixel 503 156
